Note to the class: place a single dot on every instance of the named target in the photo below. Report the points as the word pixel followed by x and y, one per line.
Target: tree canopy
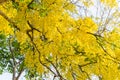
pixel 70 39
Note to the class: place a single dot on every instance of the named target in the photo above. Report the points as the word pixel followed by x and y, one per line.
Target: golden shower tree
pixel 64 38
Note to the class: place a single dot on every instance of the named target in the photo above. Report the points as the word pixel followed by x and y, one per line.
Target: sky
pixel 8 76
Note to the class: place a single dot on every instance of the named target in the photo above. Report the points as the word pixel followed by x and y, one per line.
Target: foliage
pixel 10 58
pixel 62 45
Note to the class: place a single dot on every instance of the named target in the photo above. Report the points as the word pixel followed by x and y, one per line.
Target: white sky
pixel 8 76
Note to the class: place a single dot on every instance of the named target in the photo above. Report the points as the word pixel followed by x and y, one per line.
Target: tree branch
pixel 96 36
pixel 58 73
pixel 13 59
pixel 9 20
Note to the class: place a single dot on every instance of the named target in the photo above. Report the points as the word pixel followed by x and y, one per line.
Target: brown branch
pixel 77 51
pixel 59 31
pixel 47 67
pixel 32 28
pixel 9 20
pixel 2 1
pixel 54 77
pixel 83 65
pixel 21 71
pixel 58 73
pixel 96 36
pixel 72 73
pixel 107 20
pixel 40 59
pixel 13 59
pixel 30 4
pixel 73 76
pixel 106 51
pixel 80 67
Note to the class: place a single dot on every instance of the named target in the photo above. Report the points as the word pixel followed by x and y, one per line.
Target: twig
pixel 9 20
